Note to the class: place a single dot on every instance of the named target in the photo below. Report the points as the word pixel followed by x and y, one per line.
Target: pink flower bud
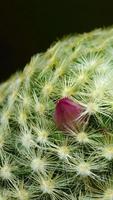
pixel 68 114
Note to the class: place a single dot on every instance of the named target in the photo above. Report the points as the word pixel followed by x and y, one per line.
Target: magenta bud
pixel 68 114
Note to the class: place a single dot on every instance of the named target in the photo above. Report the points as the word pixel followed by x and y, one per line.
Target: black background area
pixel 30 26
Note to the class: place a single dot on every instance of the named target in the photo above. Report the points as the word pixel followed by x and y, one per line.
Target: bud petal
pixel 67 114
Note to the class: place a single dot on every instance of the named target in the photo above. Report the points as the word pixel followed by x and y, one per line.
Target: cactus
pixel 56 123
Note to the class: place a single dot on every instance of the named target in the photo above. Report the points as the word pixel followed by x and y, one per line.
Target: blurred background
pixel 30 26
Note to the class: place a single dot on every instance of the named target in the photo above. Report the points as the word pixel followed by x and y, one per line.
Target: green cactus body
pixel 38 159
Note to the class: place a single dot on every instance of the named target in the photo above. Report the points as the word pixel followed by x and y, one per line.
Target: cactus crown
pixel 56 123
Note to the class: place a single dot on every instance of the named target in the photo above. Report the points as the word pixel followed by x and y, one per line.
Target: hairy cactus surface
pixel 56 123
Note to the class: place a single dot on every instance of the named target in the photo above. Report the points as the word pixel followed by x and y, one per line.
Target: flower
pixel 67 114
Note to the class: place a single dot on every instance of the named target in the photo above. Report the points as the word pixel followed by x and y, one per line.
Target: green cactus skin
pixel 37 160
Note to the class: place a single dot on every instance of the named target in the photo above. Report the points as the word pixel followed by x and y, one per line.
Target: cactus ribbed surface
pixel 56 123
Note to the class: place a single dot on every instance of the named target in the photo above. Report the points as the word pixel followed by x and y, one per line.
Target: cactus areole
pixel 56 123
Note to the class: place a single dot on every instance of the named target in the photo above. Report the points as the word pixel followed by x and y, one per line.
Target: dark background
pixel 30 26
